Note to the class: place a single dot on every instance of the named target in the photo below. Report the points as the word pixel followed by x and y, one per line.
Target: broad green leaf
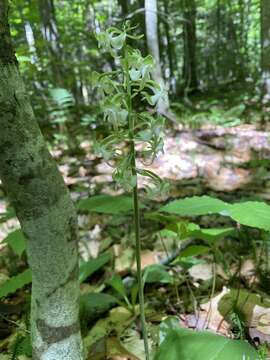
pixel 187 344
pixel 15 283
pixel 194 250
pixel 16 241
pixel 196 206
pixel 212 234
pixel 87 268
pixel 162 218
pixel 106 204
pixel 157 274
pixel 167 233
pixel 252 213
pixel 92 305
pixel 187 262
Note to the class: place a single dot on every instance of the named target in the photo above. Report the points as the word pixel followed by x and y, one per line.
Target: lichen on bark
pixel 47 216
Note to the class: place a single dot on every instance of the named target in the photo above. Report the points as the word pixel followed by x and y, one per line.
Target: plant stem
pixel 136 215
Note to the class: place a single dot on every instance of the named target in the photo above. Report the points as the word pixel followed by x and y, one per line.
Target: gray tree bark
pixel 265 49
pixel 45 211
pixel 151 24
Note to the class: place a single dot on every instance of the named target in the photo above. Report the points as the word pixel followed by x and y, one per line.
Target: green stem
pixel 136 215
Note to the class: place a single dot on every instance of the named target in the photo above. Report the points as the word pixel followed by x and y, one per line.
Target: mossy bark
pixel 42 203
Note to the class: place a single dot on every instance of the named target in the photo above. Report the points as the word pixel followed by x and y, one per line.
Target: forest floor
pixel 228 162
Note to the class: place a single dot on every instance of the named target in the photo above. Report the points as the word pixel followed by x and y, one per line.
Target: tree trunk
pixel 151 22
pixel 170 47
pixel 190 41
pixel 265 50
pixel 124 7
pixel 45 211
pixel 51 36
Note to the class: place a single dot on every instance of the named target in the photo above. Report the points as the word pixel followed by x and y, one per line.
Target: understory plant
pixel 133 131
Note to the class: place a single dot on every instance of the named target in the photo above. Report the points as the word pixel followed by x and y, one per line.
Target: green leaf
pixel 106 204
pixel 157 274
pixel 16 241
pixel 15 283
pixel 194 250
pixel 87 268
pixel 93 305
pixel 117 284
pixel 252 213
pixel 187 262
pixel 187 344
pixel 212 234
pixel 196 206
pixel 166 233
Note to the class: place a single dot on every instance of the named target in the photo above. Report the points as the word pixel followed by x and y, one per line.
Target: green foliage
pixel 15 283
pixel 218 116
pixel 16 241
pixel 63 101
pixel 117 284
pixel 87 268
pixel 21 346
pixel 187 344
pixel 250 213
pixel 93 305
pixel 194 250
pixel 106 204
pixel 196 206
pixel 119 89
pixel 213 234
pixel 157 273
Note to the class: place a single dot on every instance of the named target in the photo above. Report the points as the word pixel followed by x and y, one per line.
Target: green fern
pixel 21 346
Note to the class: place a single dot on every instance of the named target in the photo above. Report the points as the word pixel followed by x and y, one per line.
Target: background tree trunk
pixel 44 208
pixel 51 36
pixel 124 7
pixel 190 41
pixel 265 49
pixel 151 23
pixel 170 48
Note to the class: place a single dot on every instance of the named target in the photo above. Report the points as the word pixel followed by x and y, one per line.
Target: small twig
pixel 15 323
